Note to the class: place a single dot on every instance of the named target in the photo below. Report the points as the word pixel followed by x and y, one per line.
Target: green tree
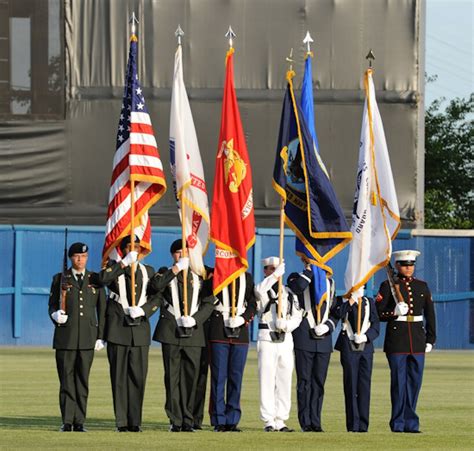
pixel 449 165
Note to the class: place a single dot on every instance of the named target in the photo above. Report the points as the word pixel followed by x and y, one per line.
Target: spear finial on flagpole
pixel 133 20
pixel 290 59
pixel 178 33
pixel 371 57
pixel 308 40
pixel 230 35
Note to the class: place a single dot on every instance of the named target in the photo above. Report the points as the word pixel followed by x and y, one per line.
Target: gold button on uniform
pixel 82 314
pixel 81 306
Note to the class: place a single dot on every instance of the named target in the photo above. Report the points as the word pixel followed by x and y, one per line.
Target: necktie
pixel 79 279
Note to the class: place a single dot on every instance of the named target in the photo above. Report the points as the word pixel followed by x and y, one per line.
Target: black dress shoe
pixel 174 428
pixel 121 429
pixel 66 427
pixel 233 428
pixel 269 429
pixel 79 428
pixel 306 429
pixel 317 429
pixel 413 432
pixel 187 428
pixel 286 429
pixel 220 428
pixel 134 429
pixel 197 427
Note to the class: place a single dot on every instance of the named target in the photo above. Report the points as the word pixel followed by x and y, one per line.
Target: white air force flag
pixel 375 216
pixel 187 170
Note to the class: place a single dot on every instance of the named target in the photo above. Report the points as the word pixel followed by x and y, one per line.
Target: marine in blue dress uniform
pixel 357 353
pixel 410 333
pixel 313 347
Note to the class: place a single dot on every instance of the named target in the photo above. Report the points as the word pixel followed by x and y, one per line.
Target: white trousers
pixel 275 369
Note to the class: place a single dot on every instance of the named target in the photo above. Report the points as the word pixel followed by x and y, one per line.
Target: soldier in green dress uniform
pixel 77 308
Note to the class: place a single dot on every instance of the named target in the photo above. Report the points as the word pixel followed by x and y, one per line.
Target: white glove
pixel 321 329
pixel 401 309
pixel 59 316
pixel 136 312
pixel 130 258
pixel 429 347
pixel 186 321
pixel 99 345
pixel 233 323
pixel 281 324
pixel 360 338
pixel 182 263
pixel 279 270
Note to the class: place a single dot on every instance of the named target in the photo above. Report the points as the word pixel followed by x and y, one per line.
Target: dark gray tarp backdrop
pixel 59 171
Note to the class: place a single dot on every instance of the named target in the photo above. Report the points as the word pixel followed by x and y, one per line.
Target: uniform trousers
pixel 406 374
pixel 311 372
pixel 73 371
pixel 275 368
pixel 357 374
pixel 128 371
pixel 200 398
pixel 181 365
pixel 227 370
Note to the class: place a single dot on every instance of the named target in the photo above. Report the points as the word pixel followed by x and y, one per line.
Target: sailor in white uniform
pixel 275 346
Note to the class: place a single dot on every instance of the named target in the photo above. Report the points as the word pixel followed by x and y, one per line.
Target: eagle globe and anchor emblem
pixel 235 168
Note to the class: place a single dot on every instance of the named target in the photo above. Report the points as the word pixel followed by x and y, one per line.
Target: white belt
pixel 410 318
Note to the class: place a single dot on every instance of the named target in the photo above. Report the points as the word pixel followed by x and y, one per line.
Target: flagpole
pixel 231 35
pixel 133 20
pixel 370 57
pixel 184 253
pixel 132 238
pixel 359 315
pixel 282 238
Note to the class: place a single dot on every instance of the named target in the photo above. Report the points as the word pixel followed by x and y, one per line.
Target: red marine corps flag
pixel 138 180
pixel 232 219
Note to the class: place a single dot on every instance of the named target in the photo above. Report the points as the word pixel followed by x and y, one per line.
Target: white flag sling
pixel 187 170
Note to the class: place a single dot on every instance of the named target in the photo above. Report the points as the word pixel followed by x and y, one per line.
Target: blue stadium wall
pixel 31 255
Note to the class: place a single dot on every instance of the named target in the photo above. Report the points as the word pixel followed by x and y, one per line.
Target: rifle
pixel 64 284
pixel 394 282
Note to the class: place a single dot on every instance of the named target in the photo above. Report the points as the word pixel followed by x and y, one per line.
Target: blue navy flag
pixel 320 285
pixel 312 210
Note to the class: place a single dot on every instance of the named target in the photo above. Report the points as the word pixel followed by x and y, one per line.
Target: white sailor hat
pixel 271 261
pixel 405 258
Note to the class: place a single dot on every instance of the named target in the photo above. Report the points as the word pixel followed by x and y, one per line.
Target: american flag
pixel 136 159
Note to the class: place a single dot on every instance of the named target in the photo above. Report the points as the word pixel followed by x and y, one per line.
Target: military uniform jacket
pixel 117 330
pixel 167 329
pixel 341 308
pixel 302 339
pixel 217 327
pixel 85 307
pixel 267 309
pixel 407 337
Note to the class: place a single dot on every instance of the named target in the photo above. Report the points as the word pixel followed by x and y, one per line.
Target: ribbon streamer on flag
pixel 232 219
pixel 375 215
pixel 187 170
pixel 136 160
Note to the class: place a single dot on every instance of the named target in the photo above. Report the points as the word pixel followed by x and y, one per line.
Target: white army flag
pixel 187 170
pixel 375 216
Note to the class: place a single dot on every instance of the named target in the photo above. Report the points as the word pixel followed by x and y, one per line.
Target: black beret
pixel 126 241
pixel 176 246
pixel 77 248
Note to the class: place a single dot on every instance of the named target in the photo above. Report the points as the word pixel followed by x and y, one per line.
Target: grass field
pixel 29 411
